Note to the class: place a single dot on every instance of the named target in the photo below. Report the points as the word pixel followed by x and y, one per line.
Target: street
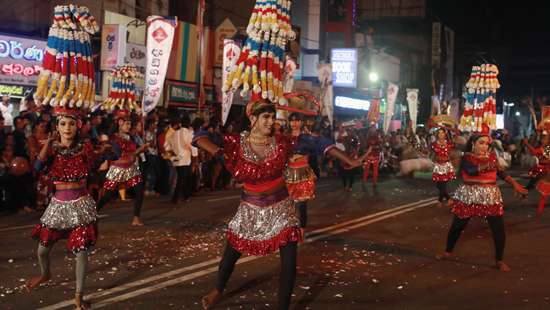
pixel 363 250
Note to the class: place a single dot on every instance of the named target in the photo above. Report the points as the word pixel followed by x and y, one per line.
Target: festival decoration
pixel 260 65
pixel 480 107
pixel 122 94
pixel 68 65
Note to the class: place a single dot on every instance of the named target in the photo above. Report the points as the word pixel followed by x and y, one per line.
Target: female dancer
pixel 443 171
pixel 71 213
pixel 540 174
pixel 374 145
pixel 480 196
pixel 266 220
pixel 299 176
pixel 124 170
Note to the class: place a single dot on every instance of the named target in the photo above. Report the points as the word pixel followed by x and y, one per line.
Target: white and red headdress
pixel 260 65
pixel 122 94
pixel 67 79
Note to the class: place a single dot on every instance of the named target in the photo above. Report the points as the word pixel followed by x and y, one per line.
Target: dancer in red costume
pixel 71 213
pixel 540 174
pixel 299 175
pixel 124 170
pixel 443 168
pixel 266 220
pixel 374 150
pixel 479 195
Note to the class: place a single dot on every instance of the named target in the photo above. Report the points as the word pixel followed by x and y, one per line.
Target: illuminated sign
pixel 351 103
pixel 344 67
pixel 20 60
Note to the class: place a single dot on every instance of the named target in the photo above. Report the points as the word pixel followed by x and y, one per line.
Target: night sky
pixel 515 35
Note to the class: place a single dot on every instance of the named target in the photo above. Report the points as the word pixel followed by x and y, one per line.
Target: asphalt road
pixel 364 250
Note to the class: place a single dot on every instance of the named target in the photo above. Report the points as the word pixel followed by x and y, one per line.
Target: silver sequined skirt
pixel 255 223
pixel 69 214
pixel 478 194
pixel 119 174
pixel 443 169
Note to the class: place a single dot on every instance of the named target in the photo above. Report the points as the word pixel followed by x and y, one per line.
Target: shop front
pixel 20 64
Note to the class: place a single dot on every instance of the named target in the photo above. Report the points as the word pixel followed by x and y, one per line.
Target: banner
pixel 160 34
pixel 231 52
pixel 113 46
pixel 393 89
pixel 374 112
pixel 412 100
pixel 326 96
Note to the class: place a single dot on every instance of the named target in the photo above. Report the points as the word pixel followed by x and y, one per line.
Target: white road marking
pixel 135 283
pixel 224 198
pixel 360 222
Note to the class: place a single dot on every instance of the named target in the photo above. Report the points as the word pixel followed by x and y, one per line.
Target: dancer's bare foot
pixel 80 303
pixel 302 234
pixel 136 221
pixel 36 281
pixel 440 204
pixel 443 256
pixel 211 299
pixel 502 266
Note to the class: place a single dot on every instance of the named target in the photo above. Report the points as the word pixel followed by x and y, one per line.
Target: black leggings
pixel 496 223
pixel 347 177
pixel 138 198
pixel 443 193
pixel 532 182
pixel 302 211
pixel 287 276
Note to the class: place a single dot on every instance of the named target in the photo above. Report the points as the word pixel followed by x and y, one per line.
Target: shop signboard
pixel 113 46
pixel 135 53
pixel 225 30
pixel 344 67
pixel 20 60
pixel 186 94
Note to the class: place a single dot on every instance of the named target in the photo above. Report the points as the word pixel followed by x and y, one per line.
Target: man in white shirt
pixel 184 155
pixel 7 111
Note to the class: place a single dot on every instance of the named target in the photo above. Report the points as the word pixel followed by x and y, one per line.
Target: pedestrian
pixel 184 157
pixel 151 158
pixel 266 220
pixel 479 195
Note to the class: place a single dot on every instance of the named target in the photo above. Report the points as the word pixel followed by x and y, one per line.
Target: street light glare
pixel 373 77
pixel 518 113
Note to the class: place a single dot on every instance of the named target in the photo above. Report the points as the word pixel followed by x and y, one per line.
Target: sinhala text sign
pixel 344 67
pixel 20 60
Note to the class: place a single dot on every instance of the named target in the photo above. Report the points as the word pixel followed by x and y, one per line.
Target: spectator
pixel 183 157
pixel 7 111
pixel 152 161
pixel 20 138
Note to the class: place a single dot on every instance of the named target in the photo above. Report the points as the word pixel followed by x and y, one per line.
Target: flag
pixel 231 53
pixel 160 34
